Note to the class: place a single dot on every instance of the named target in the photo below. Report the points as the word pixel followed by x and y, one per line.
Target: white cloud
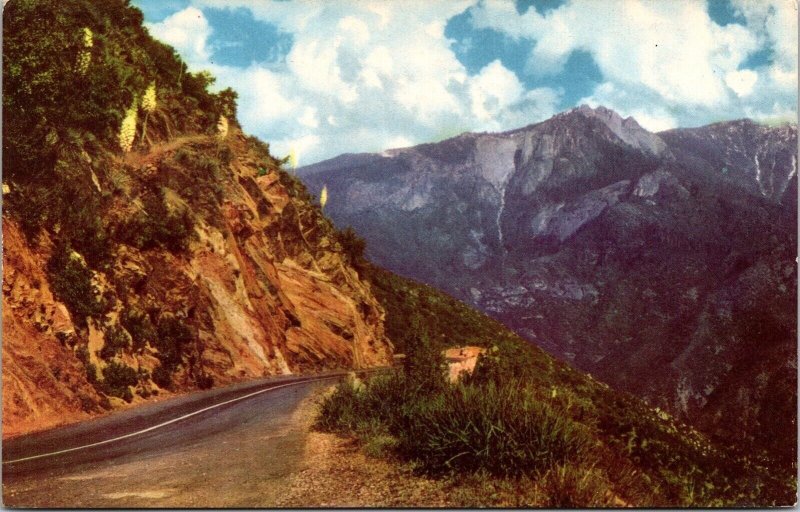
pixel 309 118
pixel 671 47
pixel 775 24
pixel 188 31
pixel 664 62
pixel 649 114
pixel 365 76
pixel 742 82
pixel 493 90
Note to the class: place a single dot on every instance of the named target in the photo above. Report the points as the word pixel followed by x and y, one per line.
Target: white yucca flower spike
pixel 149 98
pixel 88 37
pixel 222 127
pixel 148 105
pixel 85 56
pixel 323 196
pixel 127 130
pixel 293 158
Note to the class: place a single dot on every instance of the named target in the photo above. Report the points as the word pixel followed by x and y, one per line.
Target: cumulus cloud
pixel 639 104
pixel 360 76
pixel 671 54
pixel 365 76
pixel 673 48
pixel 187 31
pixel 741 82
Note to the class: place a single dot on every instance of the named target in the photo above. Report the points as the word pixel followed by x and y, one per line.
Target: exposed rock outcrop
pixel 263 288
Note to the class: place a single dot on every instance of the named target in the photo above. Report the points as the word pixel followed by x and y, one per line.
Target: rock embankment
pixel 261 287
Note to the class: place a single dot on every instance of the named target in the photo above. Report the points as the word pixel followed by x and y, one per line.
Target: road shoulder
pixel 336 473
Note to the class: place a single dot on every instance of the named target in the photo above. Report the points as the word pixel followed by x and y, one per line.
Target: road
pixel 229 447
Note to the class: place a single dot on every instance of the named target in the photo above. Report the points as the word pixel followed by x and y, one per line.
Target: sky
pixel 323 78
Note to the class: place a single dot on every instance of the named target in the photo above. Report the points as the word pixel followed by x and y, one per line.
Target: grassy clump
pixel 506 431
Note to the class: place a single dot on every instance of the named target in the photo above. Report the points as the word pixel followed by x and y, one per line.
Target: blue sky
pixel 324 78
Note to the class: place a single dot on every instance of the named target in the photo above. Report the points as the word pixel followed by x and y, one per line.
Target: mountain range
pixel 662 263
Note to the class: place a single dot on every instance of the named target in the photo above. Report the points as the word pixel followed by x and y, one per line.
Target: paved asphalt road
pixel 232 450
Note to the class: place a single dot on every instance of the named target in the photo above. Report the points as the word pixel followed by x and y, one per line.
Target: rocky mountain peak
pixel 627 129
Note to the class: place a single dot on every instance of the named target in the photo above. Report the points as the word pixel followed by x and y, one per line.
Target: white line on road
pixel 174 420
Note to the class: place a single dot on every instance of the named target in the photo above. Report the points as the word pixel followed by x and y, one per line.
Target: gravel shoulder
pixel 336 473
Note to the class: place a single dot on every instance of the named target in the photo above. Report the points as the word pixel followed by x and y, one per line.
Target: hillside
pixel 607 448
pixel 149 246
pixel 664 264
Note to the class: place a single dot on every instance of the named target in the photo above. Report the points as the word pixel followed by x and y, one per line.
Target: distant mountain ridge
pixel 663 263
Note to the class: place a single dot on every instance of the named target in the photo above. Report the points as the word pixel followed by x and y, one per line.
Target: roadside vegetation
pixel 525 429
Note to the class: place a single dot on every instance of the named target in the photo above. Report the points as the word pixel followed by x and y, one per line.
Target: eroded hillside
pixel 153 247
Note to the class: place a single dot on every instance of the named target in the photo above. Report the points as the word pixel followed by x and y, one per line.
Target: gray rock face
pixel 759 158
pixel 628 130
pixel 662 263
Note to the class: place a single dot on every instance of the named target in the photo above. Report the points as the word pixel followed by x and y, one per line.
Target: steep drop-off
pixel 662 263
pixel 153 247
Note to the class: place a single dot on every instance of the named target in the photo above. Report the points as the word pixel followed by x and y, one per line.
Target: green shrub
pixel 172 337
pixel 501 364
pixel 205 381
pixel 157 226
pixel 91 374
pixel 117 377
pixel 225 154
pixel 294 187
pixel 162 376
pixel 353 247
pixel 138 324
pixel 347 410
pixel 425 367
pixel 71 281
pixel 116 339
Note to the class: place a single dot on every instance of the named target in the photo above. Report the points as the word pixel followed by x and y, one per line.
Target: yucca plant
pixel 222 127
pixel 127 130
pixel 85 55
pixel 323 197
pixel 148 105
pixel 293 159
